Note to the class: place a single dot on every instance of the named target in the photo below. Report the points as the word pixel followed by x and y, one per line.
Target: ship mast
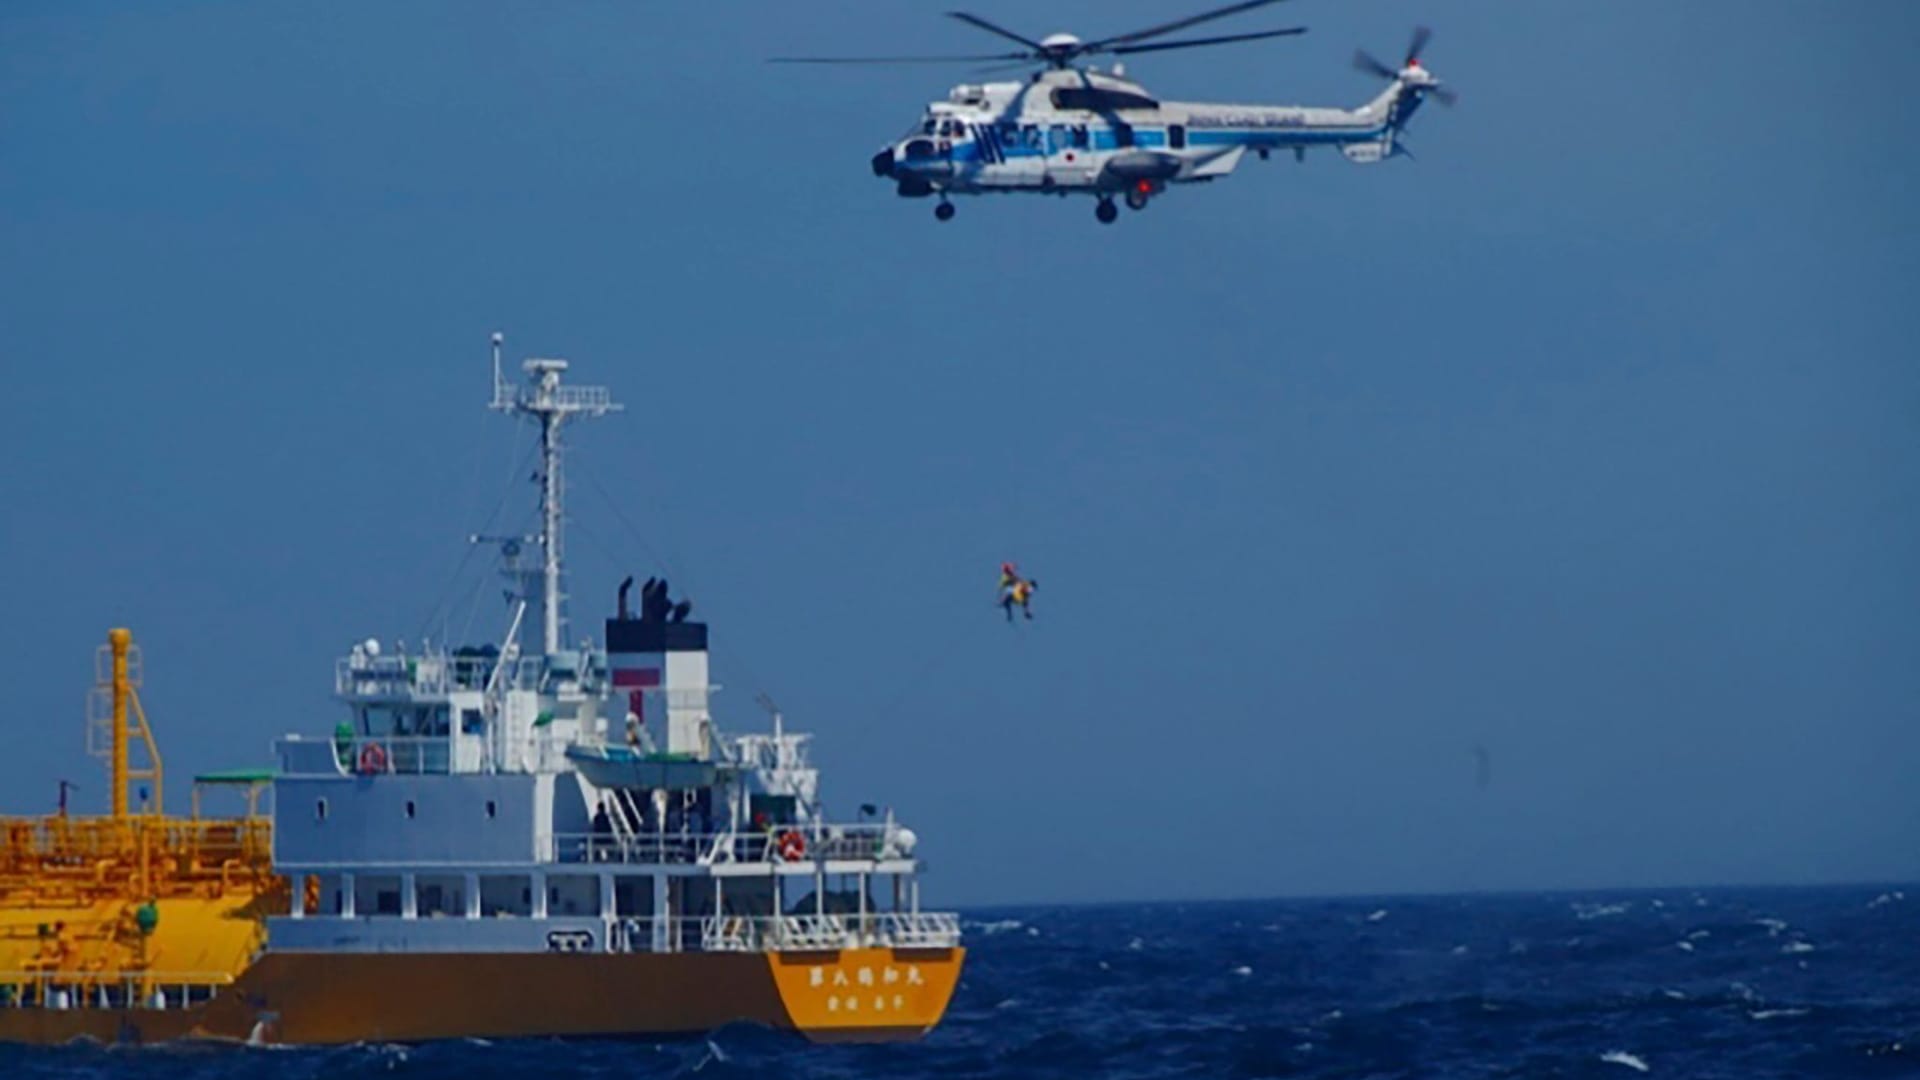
pixel 547 401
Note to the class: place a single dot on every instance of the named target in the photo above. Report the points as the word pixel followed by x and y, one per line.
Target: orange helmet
pixel 1006 568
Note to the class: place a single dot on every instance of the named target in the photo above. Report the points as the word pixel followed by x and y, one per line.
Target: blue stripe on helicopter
pixel 987 146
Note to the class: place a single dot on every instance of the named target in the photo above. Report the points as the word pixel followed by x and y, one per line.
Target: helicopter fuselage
pixel 1066 131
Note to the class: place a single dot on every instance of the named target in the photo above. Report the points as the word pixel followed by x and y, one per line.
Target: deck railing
pixel 815 843
pixel 790 933
pixel 109 990
pixel 81 842
pixel 432 675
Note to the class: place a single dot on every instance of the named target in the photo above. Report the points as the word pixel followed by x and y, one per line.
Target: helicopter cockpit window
pixel 926 128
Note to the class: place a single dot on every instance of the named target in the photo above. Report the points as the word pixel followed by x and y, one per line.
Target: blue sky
pixel 1588 437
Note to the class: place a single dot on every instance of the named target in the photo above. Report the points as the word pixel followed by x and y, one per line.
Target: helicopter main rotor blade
pixel 1365 61
pixel 1444 96
pixel 1421 35
pixel 977 21
pixel 1191 43
pixel 1177 24
pixel 897 59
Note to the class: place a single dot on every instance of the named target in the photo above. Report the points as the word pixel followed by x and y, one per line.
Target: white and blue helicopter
pixel 1071 129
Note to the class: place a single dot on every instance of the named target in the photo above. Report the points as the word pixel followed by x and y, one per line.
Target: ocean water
pixel 1736 983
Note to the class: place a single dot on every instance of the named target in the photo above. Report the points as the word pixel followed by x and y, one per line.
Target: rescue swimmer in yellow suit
pixel 1015 589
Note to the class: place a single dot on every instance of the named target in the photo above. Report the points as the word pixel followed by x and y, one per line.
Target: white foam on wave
pixel 1378 915
pixel 1794 947
pixel 1774 926
pixel 1677 995
pixel 1459 950
pixel 1621 1057
pixel 1699 934
pixel 1589 912
pixel 1136 945
pixel 1243 971
pixel 1769 1014
pixel 1683 946
pixel 1886 898
pixel 999 926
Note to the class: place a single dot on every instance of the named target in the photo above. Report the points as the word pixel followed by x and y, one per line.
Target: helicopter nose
pixel 883 162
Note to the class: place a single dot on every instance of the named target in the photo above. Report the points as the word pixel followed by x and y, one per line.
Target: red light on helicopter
pixel 1144 187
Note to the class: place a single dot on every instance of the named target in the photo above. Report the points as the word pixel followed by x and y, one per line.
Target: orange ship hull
pixel 851 995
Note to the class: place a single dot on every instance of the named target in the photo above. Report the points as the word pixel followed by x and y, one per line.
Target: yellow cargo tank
pixel 132 914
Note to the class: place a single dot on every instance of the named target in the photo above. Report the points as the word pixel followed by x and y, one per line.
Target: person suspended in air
pixel 1015 590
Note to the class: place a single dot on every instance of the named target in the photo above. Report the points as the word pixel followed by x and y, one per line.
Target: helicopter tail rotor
pixel 1410 73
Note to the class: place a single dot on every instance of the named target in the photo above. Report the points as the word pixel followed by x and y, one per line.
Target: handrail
pixel 861 842
pixel 108 989
pixel 798 933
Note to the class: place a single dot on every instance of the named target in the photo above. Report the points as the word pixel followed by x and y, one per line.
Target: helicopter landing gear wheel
pixel 1106 212
pixel 944 211
pixel 1136 200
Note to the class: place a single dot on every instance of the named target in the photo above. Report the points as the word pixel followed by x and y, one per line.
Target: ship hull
pixel 850 995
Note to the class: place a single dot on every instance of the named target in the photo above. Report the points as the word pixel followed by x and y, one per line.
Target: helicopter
pixel 1069 128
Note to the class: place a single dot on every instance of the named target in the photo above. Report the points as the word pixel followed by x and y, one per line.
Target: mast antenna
pixel 550 403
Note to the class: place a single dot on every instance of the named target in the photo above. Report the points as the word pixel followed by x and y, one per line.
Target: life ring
pixel 793 846
pixel 373 758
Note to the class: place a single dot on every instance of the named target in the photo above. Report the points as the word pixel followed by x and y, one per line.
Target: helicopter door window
pixel 1080 136
pixel 1122 135
pixel 1177 136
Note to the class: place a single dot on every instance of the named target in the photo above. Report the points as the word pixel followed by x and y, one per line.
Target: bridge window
pixel 442 895
pixel 319 809
pixel 632 895
pixel 376 894
pixel 493 809
pixel 573 894
pixel 409 809
pixel 505 894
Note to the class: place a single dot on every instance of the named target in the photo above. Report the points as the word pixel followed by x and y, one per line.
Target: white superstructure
pixel 578 798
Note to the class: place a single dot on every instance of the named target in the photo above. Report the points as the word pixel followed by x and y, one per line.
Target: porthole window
pixel 409 809
pixel 492 809
pixel 320 810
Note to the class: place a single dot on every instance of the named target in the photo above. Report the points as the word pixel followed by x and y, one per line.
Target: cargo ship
pixel 531 836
